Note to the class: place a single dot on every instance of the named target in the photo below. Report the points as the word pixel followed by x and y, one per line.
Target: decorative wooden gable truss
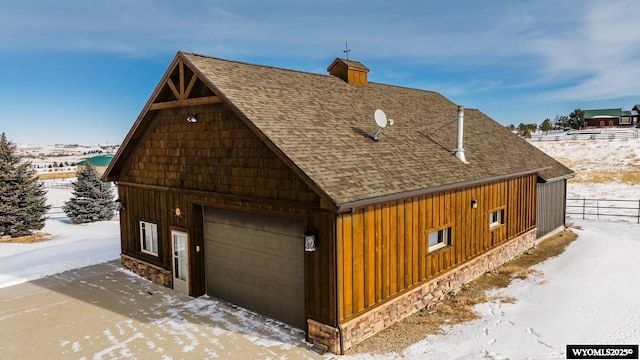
pixel 183 88
pixel 179 87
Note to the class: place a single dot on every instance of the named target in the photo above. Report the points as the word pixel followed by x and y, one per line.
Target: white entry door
pixel 180 261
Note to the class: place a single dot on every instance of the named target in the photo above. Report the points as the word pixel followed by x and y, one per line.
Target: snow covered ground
pixel 587 295
pixel 605 169
pixel 42 156
pixel 72 246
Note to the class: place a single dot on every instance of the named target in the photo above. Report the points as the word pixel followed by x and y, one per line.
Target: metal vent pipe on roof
pixel 459 151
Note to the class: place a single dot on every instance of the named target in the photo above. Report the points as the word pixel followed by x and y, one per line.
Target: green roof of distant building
pixel 100 160
pixel 588 114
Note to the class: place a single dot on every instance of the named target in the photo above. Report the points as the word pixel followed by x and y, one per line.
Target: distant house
pixel 635 112
pixel 264 187
pixel 100 162
pixel 609 117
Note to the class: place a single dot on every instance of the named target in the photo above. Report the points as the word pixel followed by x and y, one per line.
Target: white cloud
pixel 130 27
pixel 582 49
pixel 463 31
pixel 600 56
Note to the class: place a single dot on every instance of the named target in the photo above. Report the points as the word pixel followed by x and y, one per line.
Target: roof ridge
pixel 255 65
pixel 305 72
pixel 407 88
pixel 603 109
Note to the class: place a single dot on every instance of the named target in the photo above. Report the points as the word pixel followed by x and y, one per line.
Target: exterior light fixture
pixel 192 118
pixel 310 240
pixel 120 204
pixel 177 214
pixel 474 203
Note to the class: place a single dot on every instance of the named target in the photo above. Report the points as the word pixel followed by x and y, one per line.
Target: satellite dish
pixel 381 120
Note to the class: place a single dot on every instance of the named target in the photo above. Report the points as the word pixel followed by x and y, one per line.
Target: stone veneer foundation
pixel 434 290
pixel 154 273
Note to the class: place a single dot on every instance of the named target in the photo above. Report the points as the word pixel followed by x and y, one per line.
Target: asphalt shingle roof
pixel 350 63
pixel 322 125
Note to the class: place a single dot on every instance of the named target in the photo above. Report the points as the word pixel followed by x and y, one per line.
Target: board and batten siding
pixel 383 249
pixel 552 202
pixel 157 206
pixel 152 206
pixel 218 162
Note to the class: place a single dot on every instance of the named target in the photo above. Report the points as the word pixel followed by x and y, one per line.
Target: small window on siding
pixel 496 218
pixel 149 238
pixel 439 239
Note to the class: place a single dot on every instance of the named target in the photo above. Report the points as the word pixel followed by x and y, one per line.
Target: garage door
pixel 257 262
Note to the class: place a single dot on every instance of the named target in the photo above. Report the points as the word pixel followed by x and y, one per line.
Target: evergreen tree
pixel 546 125
pixel 92 199
pixel 561 122
pixel 576 119
pixel 526 130
pixel 22 197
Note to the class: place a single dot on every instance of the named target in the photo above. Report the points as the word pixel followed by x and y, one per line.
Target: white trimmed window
pixel 496 218
pixel 149 238
pixel 439 239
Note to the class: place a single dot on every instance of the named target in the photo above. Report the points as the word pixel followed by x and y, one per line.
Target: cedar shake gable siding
pixel 217 154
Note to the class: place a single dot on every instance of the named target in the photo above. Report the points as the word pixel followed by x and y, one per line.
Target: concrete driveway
pixel 103 312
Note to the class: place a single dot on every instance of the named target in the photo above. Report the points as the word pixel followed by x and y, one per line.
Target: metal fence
pixel 587 135
pixel 57 213
pixel 57 185
pixel 604 208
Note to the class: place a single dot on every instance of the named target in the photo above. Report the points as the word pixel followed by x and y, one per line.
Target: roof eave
pixel 563 177
pixel 350 206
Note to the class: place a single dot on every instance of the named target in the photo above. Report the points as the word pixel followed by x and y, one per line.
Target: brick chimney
pixel 353 72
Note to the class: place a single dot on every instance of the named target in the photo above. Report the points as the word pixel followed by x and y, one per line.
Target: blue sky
pixel 75 71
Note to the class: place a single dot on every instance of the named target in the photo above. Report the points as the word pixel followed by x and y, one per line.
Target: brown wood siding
pixel 383 249
pixel 357 77
pixel 196 260
pixel 218 161
pixel 320 268
pixel 156 207
pixel 600 122
pixel 218 153
pixel 551 210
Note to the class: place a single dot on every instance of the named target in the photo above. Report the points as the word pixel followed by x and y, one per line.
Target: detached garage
pixel 257 262
pixel 280 191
